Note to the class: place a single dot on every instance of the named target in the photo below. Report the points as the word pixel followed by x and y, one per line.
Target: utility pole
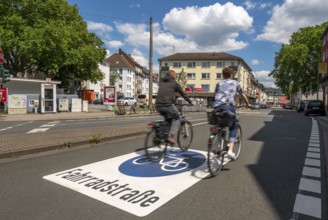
pixel 150 99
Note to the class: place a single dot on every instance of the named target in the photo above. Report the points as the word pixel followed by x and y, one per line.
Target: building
pixel 134 79
pixel 204 71
pixel 323 80
pixel 98 87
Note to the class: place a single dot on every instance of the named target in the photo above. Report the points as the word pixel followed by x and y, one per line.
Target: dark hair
pixel 227 72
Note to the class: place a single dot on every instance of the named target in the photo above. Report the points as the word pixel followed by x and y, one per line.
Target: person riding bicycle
pixel 166 96
pixel 224 99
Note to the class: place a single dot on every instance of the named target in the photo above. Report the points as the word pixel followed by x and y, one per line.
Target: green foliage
pixel 296 64
pixel 182 78
pixel 113 77
pixel 51 37
pixel 95 139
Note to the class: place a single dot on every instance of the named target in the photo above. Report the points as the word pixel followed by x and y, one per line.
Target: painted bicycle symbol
pixel 170 163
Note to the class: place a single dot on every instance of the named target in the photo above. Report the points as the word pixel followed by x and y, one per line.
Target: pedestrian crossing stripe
pixel 112 181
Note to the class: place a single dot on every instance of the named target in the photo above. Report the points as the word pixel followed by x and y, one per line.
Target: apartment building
pixel 134 78
pixel 204 71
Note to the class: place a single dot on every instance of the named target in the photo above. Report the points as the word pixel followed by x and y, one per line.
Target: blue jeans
pixel 233 128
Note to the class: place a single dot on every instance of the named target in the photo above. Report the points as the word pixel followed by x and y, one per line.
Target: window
pixel 232 63
pixel 176 64
pixel 220 64
pixel 205 76
pixel 191 64
pixel 190 85
pixel 191 75
pixel 218 75
pixel 206 87
pixel 206 64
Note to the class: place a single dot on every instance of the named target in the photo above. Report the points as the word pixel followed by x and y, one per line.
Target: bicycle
pixel 156 138
pixel 220 121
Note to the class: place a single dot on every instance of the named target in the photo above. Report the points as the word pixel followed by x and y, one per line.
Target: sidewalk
pixel 16 145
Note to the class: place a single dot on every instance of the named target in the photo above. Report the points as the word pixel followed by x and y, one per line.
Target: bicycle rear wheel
pixel 185 135
pixel 155 150
pixel 215 155
pixel 238 142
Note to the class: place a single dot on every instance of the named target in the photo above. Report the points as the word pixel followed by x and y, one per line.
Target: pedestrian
pixel 166 97
pixel 224 99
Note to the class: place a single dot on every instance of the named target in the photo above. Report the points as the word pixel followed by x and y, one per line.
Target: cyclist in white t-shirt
pixel 225 93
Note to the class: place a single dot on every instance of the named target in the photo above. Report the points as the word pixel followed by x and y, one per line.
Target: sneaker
pixel 226 159
pixel 171 139
pixel 231 155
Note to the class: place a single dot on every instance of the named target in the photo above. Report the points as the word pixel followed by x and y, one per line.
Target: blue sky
pixel 253 30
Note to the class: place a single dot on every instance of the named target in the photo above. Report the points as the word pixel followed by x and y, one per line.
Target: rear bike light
pixel 214 130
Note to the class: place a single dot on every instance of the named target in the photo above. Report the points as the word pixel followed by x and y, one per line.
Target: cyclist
pixel 224 98
pixel 167 89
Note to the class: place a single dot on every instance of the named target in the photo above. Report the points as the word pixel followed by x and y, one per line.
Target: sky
pixel 251 29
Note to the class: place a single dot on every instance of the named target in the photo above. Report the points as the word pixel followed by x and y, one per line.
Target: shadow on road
pixel 279 168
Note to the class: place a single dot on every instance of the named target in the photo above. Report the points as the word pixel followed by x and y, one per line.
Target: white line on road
pixel 304 204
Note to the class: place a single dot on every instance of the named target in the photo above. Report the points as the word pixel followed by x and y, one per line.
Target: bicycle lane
pixel 129 182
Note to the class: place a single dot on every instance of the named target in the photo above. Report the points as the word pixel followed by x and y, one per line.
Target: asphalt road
pixel 262 184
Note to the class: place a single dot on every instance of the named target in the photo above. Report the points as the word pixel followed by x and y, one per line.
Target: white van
pixel 143 99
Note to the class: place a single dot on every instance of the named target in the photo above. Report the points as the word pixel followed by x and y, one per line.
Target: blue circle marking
pixel 174 162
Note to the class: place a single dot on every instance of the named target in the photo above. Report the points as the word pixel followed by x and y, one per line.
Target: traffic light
pixel 4 74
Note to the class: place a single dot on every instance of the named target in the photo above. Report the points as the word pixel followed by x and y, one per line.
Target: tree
pixel 113 77
pixel 182 79
pixel 296 64
pixel 49 36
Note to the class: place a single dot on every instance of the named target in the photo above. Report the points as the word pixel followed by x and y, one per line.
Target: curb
pixel 23 152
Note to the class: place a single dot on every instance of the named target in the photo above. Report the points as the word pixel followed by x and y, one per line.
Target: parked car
pixel 127 101
pixel 314 107
pixel 300 107
pixel 143 99
pixel 289 105
pixel 98 101
pixel 263 106
pixel 255 105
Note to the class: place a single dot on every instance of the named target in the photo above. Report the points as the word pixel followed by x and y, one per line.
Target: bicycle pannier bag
pixel 222 118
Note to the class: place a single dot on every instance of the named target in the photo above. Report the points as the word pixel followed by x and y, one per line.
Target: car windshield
pixel 315 104
pixel 141 96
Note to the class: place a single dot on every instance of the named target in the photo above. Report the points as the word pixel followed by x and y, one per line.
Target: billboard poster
pixel 109 95
pixel 3 94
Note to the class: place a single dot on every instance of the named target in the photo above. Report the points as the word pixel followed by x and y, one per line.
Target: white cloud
pixel 140 58
pixel 264 78
pixel 255 62
pixel 249 5
pixel 134 6
pixel 114 44
pixel 215 26
pixel 292 15
pixel 211 28
pixel 100 29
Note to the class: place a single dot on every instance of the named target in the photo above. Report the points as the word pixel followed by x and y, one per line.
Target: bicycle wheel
pixel 155 150
pixel 185 135
pixel 215 155
pixel 237 146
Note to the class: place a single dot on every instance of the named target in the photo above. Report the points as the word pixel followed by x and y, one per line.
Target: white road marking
pixel 44 127
pixel 7 128
pixel 310 185
pixel 308 205
pixel 123 183
pixel 304 204
pixel 311 171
